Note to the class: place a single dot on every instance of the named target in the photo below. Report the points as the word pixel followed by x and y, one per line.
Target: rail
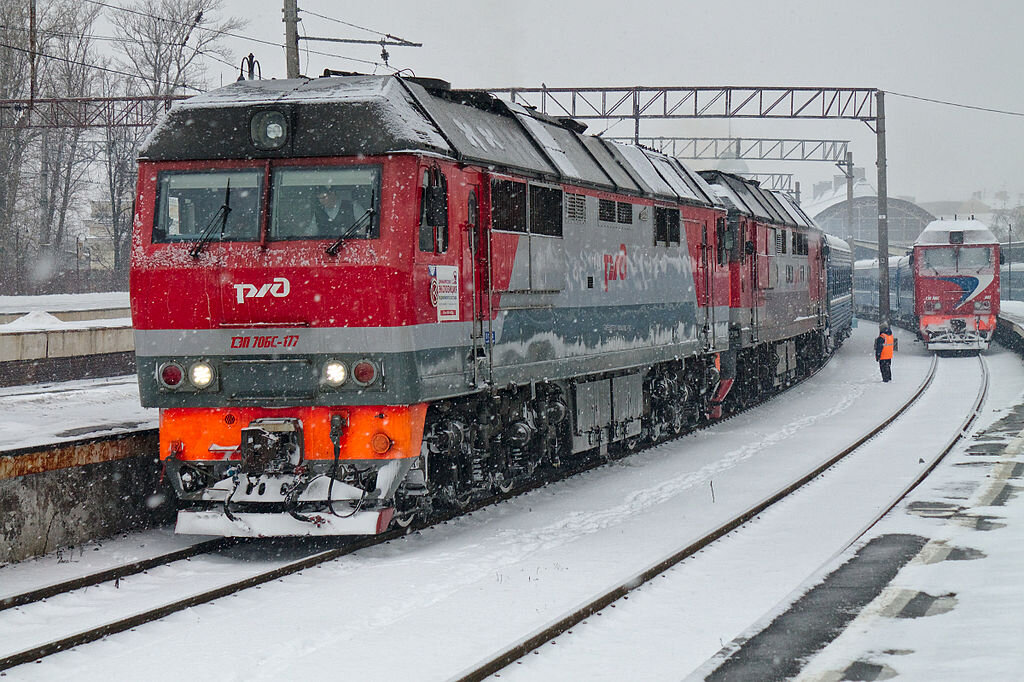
pixel 535 641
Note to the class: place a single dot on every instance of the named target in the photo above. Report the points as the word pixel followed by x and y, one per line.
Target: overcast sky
pixel 956 51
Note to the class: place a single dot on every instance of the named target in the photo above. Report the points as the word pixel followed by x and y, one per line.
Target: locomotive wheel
pixel 503 484
pixel 403 519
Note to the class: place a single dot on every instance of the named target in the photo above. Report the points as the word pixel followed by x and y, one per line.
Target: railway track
pixel 607 598
pixel 113 576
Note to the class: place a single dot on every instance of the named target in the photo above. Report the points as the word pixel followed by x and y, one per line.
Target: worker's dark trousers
pixel 885 366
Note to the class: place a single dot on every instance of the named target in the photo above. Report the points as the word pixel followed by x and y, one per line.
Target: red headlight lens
pixel 364 372
pixel 171 374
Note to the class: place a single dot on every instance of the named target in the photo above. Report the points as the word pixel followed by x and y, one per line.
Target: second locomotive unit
pixel 359 297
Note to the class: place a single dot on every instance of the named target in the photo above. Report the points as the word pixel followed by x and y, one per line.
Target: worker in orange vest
pixel 885 344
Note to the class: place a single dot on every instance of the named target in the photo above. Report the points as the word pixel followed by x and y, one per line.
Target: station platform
pixel 73 336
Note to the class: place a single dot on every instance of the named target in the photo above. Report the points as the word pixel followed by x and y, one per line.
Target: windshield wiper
pixel 207 234
pixel 332 250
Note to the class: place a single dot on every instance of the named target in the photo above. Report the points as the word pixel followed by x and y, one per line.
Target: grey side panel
pixel 547 263
pixel 628 403
pixel 592 414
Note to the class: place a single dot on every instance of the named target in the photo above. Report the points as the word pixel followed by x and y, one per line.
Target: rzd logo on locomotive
pixel 615 265
pixel 279 288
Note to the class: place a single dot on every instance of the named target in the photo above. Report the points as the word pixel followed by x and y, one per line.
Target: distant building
pixel 829 207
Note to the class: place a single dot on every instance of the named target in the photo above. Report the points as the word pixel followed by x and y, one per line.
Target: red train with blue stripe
pixel 357 298
pixel 956 285
pixel 947 289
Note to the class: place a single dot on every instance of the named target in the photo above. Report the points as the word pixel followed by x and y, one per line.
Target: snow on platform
pixel 40 414
pixel 64 302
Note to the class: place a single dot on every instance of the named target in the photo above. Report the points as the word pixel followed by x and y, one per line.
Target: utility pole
pixel 32 49
pixel 883 223
pixel 849 194
pixel 291 38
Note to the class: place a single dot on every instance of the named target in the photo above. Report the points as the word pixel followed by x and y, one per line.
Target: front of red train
pixel 270 284
pixel 956 285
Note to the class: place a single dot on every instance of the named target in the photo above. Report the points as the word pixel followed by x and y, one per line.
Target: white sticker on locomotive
pixel 444 292
pixel 279 288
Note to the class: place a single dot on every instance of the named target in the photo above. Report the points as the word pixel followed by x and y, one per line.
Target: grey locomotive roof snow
pixel 374 115
pixel 750 198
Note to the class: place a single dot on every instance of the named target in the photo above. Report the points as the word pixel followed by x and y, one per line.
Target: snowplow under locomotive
pixel 358 297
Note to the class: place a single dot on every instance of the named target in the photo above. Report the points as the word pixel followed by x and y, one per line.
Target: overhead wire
pixel 229 34
pixel 351 25
pixel 91 66
pixel 112 39
pixel 958 105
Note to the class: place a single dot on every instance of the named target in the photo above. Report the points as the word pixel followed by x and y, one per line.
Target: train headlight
pixel 335 373
pixel 983 305
pixel 268 129
pixel 200 374
pixel 171 374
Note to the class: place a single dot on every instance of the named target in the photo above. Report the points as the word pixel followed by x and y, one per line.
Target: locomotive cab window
pixel 975 258
pixel 325 203
pixel 218 205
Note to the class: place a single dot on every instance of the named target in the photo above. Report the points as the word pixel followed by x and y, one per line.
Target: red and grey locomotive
pixel 358 297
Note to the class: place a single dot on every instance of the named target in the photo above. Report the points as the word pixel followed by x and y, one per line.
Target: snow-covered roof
pixel 378 115
pixel 747 196
pixel 870 263
pixel 939 232
pixel 814 206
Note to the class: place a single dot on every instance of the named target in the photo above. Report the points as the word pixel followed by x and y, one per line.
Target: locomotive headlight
pixel 268 129
pixel 335 373
pixel 200 374
pixel 983 305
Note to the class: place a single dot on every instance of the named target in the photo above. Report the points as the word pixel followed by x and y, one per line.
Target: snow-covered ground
pixel 436 602
pixel 64 302
pixel 40 321
pixel 40 414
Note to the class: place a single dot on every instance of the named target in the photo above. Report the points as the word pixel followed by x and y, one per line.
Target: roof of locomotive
pixel 747 196
pixel 374 115
pixel 938 232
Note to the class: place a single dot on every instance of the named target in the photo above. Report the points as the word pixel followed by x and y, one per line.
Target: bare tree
pixel 165 40
pixel 121 145
pixel 64 159
pixel 14 84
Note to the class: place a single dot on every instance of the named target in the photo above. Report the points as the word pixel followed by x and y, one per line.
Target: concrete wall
pixel 66 495
pixel 63 343
pixel 75 315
